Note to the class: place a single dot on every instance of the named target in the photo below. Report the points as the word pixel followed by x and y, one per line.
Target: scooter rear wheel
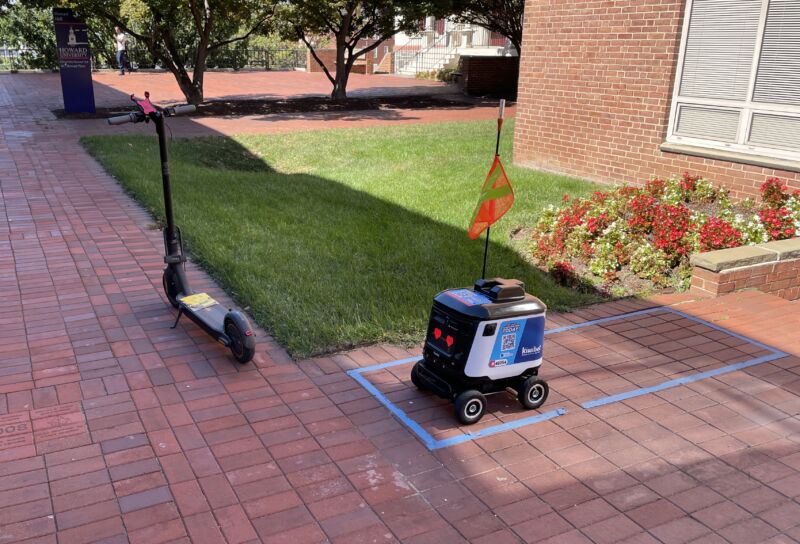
pixel 240 333
pixel 470 406
pixel 169 281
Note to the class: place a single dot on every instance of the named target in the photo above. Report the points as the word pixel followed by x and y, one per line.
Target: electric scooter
pixel 229 327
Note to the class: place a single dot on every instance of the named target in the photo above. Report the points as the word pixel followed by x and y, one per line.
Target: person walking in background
pixel 121 40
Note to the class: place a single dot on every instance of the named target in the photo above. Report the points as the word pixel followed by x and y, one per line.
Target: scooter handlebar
pixel 181 110
pixel 133 117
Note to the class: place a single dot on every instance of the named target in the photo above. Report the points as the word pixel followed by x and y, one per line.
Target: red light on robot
pixel 449 341
pixel 437 333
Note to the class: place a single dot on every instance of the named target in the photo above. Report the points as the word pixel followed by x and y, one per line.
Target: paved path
pixel 113 90
pixel 116 428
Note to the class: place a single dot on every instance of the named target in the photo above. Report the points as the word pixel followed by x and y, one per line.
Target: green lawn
pixel 339 238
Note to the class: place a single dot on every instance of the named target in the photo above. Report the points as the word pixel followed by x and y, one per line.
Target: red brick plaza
pixel 116 428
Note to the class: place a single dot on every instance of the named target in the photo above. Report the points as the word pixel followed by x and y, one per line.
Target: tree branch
pixel 302 36
pixel 258 25
pixel 372 46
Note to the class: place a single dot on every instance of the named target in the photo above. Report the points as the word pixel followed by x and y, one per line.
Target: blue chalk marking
pixel 381 366
pixel 775 354
pixel 601 320
pixel 415 427
pixel 502 427
pixel 680 381
pixel 726 331
pixel 432 444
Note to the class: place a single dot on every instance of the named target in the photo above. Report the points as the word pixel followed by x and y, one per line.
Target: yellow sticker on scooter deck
pixel 198 301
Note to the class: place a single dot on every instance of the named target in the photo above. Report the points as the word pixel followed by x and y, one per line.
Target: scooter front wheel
pixel 241 336
pixel 170 282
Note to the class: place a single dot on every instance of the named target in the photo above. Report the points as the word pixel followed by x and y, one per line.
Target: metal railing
pixel 230 57
pixel 415 58
pixel 11 58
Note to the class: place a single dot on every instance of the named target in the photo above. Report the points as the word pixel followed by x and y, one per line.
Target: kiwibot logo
pixel 535 350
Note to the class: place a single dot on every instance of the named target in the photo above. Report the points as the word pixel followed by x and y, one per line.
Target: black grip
pixel 122 119
pixel 181 110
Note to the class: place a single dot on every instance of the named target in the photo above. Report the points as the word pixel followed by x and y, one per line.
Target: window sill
pixel 731 156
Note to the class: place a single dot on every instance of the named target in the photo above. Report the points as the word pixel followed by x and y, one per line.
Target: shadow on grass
pixel 321 265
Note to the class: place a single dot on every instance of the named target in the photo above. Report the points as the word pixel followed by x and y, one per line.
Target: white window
pixel 738 80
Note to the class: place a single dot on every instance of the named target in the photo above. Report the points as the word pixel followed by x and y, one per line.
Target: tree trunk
pixel 192 90
pixel 339 93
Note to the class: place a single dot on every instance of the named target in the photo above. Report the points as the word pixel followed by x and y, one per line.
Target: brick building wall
pixel 488 76
pixel 363 65
pixel 328 57
pixel 595 88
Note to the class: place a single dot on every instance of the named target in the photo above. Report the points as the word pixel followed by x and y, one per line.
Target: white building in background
pixel 439 44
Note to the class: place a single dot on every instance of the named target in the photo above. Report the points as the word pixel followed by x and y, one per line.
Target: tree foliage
pixel 31 28
pixel 356 27
pixel 181 34
pixel 502 16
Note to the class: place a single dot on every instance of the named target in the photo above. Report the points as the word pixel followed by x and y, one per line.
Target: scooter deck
pixel 204 310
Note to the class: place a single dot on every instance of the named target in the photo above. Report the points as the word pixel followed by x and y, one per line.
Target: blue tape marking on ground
pixel 494 429
pixel 431 443
pixel 680 381
pixel 602 320
pixel 726 331
pixel 381 366
pixel 426 438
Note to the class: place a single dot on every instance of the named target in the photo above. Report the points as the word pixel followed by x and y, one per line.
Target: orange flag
pixel 496 199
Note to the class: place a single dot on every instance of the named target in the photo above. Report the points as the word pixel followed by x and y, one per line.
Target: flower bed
pixel 629 239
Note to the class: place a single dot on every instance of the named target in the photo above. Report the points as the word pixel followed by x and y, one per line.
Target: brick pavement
pixel 117 428
pixel 113 90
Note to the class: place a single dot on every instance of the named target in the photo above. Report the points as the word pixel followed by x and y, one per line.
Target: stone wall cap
pixel 736 257
pixel 786 249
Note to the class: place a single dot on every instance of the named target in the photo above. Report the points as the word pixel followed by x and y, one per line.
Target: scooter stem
pixel 171 237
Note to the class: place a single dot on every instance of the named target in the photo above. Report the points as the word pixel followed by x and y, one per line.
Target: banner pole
pixel 500 126
pixel 485 252
pixel 500 116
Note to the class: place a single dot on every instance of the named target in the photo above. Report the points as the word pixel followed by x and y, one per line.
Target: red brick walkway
pixel 116 428
pixel 113 90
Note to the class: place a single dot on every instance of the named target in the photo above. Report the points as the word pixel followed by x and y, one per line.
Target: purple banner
pixel 74 61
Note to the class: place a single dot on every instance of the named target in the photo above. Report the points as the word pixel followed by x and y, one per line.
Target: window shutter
pixel 708 123
pixel 778 131
pixel 778 77
pixel 720 44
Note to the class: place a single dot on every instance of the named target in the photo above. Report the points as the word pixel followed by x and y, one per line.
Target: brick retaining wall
pixel 771 268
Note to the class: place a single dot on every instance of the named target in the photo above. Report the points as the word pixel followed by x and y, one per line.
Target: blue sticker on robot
pixel 518 341
pixel 469 297
pixel 532 343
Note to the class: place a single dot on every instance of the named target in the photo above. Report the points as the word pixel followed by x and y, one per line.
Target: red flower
pixel 656 187
pixel 643 212
pixel 563 272
pixel 778 222
pixel 773 192
pixel 719 234
pixel 669 230
pixel 688 182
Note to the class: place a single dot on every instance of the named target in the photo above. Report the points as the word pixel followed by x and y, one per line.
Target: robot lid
pixel 495 298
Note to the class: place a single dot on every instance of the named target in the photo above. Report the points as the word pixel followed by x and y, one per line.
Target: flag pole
pixel 500 116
